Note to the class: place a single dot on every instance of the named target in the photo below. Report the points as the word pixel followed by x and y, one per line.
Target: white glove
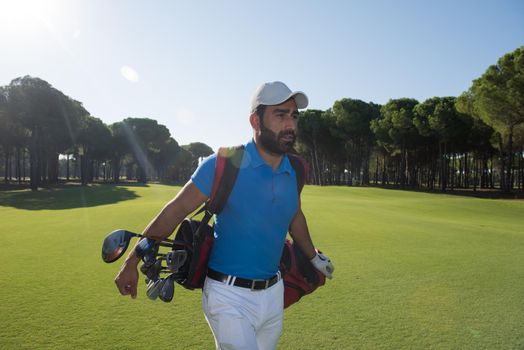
pixel 323 264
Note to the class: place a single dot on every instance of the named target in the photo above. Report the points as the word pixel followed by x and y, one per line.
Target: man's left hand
pixel 323 264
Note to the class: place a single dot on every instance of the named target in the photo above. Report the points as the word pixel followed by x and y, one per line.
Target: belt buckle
pixel 253 283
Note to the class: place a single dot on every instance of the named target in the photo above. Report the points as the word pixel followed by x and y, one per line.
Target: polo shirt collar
pixel 256 159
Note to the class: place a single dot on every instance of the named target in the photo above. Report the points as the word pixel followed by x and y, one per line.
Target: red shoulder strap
pixel 219 171
pixel 226 171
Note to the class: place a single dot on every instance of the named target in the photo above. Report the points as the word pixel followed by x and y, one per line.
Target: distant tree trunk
pixel 83 179
pixel 116 169
pixel 365 166
pixel 443 167
pixel 67 167
pixel 502 168
pixel 129 172
pixel 403 164
pixel 10 168
pixel 18 168
pixel 43 163
pixel 75 167
pixel 521 167
pixel 483 171
pixel 90 170
pixel 491 177
pixel 520 180
pixel 412 168
pixel 52 167
pixel 34 161
pixel 23 163
pixel 384 170
pixel 109 172
pixel 453 171
pixel 316 162
pixel 12 164
pixel 460 179
pixel 434 172
pixel 509 171
pixel 6 165
pixel 376 171
pixel 396 171
pixel 84 165
pixel 475 172
pixel 141 175
pixel 466 170
pixel 312 170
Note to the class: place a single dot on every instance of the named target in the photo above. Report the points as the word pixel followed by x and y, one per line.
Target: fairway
pixel 413 271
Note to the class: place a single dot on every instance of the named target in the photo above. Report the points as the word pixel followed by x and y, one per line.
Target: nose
pixel 290 123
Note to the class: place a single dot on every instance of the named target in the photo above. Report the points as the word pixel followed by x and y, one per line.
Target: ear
pixel 254 120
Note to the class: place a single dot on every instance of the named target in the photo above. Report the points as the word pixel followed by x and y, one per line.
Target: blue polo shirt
pixel 251 229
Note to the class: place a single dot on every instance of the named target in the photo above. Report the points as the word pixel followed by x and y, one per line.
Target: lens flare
pixel 129 74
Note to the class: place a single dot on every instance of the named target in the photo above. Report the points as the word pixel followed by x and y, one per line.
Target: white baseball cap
pixel 276 92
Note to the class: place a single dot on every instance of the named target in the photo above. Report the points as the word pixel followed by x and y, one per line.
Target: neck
pixel 270 158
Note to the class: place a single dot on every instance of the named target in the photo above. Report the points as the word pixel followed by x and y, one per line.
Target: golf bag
pixel 300 276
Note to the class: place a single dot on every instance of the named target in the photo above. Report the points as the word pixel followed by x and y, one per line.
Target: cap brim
pixel 300 99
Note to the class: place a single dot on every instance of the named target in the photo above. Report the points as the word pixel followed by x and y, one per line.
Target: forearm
pixel 162 226
pixel 300 233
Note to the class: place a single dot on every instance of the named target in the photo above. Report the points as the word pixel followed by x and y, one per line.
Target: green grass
pixel 413 271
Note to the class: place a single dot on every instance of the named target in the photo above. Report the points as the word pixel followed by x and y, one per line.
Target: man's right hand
pixel 127 279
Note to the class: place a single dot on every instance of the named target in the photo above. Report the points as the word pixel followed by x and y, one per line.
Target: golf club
pixel 154 270
pixel 153 288
pixel 175 259
pixel 168 289
pixel 117 242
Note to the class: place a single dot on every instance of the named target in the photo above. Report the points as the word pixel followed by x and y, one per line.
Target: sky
pixel 193 65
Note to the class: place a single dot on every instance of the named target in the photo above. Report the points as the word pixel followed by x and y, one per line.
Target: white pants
pixel 243 319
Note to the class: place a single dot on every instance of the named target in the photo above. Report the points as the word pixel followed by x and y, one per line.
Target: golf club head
pixel 153 288
pixel 149 260
pixel 168 289
pixel 154 271
pixel 175 259
pixel 150 257
pixel 145 267
pixel 115 245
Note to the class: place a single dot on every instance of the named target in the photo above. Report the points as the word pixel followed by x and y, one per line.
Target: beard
pixel 276 143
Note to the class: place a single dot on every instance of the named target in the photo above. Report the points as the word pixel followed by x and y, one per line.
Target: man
pixel 243 293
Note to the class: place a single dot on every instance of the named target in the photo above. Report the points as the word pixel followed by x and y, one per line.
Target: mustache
pixel 286 133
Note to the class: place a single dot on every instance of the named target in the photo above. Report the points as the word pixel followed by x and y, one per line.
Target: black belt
pixel 243 282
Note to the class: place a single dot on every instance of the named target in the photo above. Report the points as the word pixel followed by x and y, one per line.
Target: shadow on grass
pixel 66 197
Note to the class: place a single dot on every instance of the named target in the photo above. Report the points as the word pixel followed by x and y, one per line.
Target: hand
pixel 127 280
pixel 323 264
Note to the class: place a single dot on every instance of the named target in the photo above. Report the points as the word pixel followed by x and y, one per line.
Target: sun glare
pixel 22 16
pixel 129 73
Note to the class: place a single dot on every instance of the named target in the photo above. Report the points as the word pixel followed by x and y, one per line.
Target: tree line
pixel 38 123
pixel 475 140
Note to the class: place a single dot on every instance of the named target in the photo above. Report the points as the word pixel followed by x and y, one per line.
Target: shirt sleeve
pixel 204 175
